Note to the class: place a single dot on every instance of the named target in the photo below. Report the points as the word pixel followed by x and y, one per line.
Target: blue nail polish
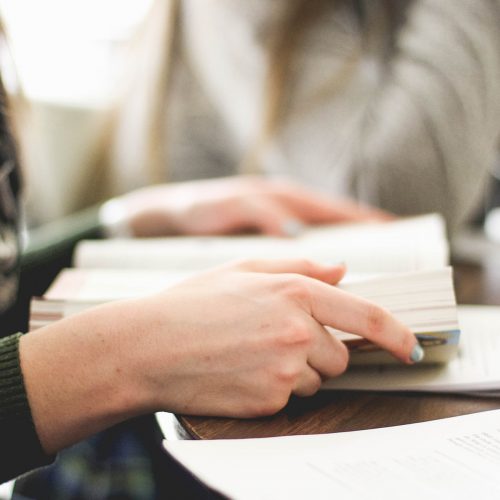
pixel 292 227
pixel 417 354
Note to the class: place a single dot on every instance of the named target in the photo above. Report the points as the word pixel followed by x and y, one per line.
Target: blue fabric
pixel 112 464
pixel 124 462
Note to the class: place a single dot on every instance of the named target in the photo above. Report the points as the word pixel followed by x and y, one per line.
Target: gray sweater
pixel 414 130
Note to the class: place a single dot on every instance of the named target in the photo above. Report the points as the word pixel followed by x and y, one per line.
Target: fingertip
pixel 417 354
pixel 337 273
pixel 342 266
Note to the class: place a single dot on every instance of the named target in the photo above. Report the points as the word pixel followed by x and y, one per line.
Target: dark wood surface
pixel 337 411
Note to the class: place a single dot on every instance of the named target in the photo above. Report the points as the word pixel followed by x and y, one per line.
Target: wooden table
pixel 336 411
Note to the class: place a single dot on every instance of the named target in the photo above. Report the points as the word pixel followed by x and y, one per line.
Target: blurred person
pixel 391 102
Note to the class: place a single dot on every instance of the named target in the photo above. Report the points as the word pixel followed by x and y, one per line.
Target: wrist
pixel 76 378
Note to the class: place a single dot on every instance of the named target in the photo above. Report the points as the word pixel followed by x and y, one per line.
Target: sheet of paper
pixel 456 458
pixel 476 368
pixel 404 245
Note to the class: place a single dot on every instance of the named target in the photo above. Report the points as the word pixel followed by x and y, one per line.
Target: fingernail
pixel 417 354
pixel 335 263
pixel 292 227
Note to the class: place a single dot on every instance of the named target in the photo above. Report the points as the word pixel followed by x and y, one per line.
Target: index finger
pixel 344 311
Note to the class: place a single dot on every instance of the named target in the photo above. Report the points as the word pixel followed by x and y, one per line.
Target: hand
pixel 237 204
pixel 236 341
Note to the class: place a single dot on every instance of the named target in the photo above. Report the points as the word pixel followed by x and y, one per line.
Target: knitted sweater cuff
pixel 21 449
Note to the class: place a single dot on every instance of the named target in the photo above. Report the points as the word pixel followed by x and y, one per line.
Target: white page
pixel 456 458
pixel 102 285
pixel 404 245
pixel 477 366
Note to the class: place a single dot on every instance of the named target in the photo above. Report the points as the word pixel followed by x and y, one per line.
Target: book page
pixel 103 285
pixel 475 368
pixel 455 458
pixel 403 245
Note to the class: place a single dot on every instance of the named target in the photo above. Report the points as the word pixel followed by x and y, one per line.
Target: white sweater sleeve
pixel 431 133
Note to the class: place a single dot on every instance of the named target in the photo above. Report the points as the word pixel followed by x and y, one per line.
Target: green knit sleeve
pixel 20 448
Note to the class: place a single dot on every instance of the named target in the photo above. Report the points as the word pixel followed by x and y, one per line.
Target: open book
pixel 410 244
pixel 456 458
pixel 423 300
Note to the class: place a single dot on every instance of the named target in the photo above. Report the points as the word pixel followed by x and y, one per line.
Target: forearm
pixel 430 133
pixel 77 377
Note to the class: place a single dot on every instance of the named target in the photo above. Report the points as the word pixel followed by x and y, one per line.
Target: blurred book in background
pixel 404 245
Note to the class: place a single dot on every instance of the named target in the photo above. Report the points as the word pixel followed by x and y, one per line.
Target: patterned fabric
pixel 9 246
pixel 124 462
pixel 112 464
pixel 9 215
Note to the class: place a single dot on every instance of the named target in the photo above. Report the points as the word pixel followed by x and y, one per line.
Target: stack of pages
pixel 475 370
